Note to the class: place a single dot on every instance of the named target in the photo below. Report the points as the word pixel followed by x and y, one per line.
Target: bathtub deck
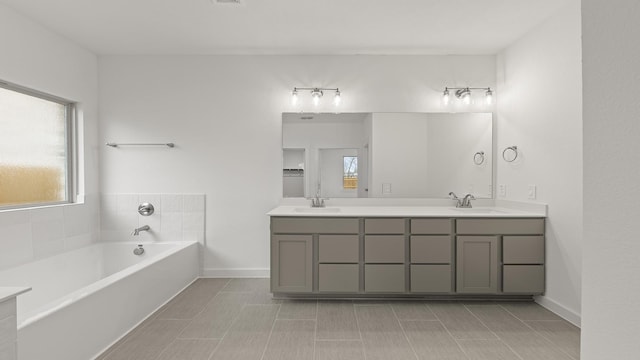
pixel 222 319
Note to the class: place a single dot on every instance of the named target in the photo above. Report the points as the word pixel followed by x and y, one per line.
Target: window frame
pixel 71 141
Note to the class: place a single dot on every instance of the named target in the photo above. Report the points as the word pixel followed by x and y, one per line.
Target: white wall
pixel 540 111
pixel 611 277
pixel 332 173
pixel 224 113
pixel 36 58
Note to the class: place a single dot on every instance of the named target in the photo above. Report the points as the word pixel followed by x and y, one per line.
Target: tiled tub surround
pixel 177 217
pixel 84 300
pixel 31 234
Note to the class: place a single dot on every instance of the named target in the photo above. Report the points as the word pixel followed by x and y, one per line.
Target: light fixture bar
pixel 316 94
pixel 464 94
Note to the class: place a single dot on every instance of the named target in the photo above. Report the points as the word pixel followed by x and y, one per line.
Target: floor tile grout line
pixel 538 332
pixel 355 314
pixel 415 353
pixel 447 330
pixel 203 309
pixel 229 328
pixel 266 345
pixel 493 332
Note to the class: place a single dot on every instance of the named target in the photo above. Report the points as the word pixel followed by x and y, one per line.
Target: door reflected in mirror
pixel 396 155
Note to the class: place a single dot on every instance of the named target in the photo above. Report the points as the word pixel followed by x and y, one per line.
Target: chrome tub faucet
pixel 137 231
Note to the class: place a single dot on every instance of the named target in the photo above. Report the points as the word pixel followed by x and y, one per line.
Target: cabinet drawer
pixel 431 249
pixel 431 226
pixel 528 279
pixel 384 278
pixel 314 225
pixel 523 249
pixel 500 226
pixel 338 249
pixel 384 226
pixel 431 278
pixel 338 278
pixel 384 248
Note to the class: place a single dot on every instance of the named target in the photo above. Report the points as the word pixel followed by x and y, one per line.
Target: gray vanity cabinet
pixel 477 264
pixel 293 255
pixel 335 256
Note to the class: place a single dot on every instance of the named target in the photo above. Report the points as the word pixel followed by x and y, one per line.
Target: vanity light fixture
pixel 316 95
pixel 464 94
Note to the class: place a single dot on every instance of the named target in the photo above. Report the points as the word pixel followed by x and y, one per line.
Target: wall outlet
pixel 502 190
pixel 531 193
pixel 386 188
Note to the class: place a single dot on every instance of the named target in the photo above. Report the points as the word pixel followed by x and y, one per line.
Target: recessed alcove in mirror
pixel 390 155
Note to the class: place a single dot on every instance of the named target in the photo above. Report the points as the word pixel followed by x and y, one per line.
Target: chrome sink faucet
pixel 317 201
pixel 465 202
pixel 137 231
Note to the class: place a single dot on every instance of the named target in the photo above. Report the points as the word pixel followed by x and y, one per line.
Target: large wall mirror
pixel 395 155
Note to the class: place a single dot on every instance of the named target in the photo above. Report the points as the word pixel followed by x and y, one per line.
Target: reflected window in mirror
pixel 350 176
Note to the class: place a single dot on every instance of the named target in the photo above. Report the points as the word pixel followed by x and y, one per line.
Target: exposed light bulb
pixel 294 97
pixel 336 98
pixel 316 94
pixel 466 96
pixel 445 97
pixel 488 96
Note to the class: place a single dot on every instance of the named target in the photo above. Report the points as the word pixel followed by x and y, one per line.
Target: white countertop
pixel 7 293
pixel 410 211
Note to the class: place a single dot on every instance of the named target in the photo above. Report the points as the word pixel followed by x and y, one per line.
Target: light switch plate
pixel 386 188
pixel 502 190
pixel 531 193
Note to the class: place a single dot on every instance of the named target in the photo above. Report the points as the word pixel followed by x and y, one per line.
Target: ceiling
pixel 290 26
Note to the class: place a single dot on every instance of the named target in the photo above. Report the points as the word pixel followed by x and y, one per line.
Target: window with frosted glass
pixel 34 148
pixel 350 173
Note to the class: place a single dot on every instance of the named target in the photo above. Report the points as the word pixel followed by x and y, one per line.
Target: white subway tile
pixel 48 248
pixel 11 258
pixel 194 203
pixel 193 236
pixel 77 220
pixel 45 231
pixel 172 203
pixel 154 221
pixel 128 203
pixel 14 217
pixel 171 222
pixel 78 241
pixel 47 214
pixel 109 202
pixel 193 221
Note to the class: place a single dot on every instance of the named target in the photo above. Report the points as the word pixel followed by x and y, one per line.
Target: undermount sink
pixel 479 210
pixel 318 210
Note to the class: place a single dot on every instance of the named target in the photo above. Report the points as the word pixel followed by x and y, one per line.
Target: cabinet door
pixel 291 263
pixel 477 264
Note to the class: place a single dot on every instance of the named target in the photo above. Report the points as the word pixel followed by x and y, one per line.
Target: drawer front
pixel 384 248
pixel 431 278
pixel 338 278
pixel 431 249
pixel 523 249
pixel 384 226
pixel 338 249
pixel 500 226
pixel 523 279
pixel 384 278
pixel 280 225
pixel 431 226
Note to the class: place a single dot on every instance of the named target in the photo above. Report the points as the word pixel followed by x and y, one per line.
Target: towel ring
pixel 478 158
pixel 513 149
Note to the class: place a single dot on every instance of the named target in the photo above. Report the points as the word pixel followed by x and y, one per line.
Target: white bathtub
pixel 84 300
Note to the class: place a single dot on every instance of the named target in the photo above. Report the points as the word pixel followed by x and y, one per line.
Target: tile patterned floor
pixel 236 319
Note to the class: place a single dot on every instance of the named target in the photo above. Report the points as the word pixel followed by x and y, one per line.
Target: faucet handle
pixel 453 195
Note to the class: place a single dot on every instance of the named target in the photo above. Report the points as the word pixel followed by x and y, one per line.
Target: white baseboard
pixel 560 310
pixel 236 273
